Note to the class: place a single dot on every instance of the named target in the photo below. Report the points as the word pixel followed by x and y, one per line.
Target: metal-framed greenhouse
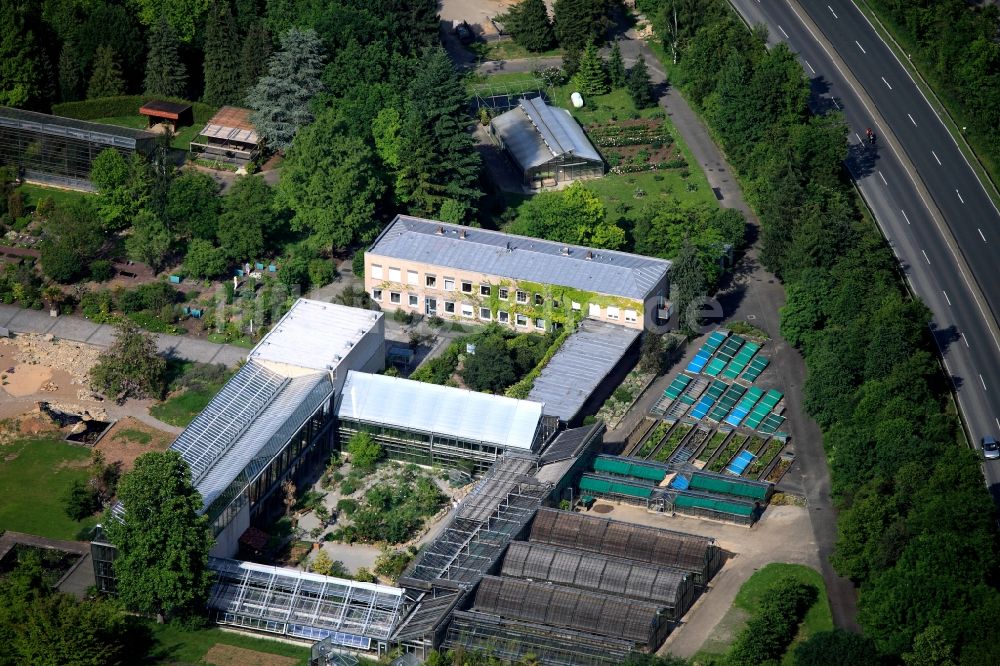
pixel 305 605
pixel 60 151
pixel 688 552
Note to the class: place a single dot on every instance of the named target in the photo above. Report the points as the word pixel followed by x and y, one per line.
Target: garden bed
pixel 779 469
pixel 712 446
pixel 764 459
pixel 631 146
pixel 679 432
pixel 735 445
pixel 652 440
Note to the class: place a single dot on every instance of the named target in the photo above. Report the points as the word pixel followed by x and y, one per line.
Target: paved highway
pixel 928 201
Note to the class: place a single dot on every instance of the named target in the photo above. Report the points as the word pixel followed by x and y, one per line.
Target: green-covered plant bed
pixel 762 461
pixel 672 442
pixel 713 446
pixel 654 438
pixel 735 444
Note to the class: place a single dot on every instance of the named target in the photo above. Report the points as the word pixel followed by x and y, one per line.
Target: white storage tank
pixel 577 100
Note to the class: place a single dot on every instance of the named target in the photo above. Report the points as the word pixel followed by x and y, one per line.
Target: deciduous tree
pixel 149 241
pixel 162 540
pixel 364 451
pixel 72 237
pixel 248 219
pixel 131 367
pixel 575 215
pixel 124 187
pixel 185 16
pixel 281 99
pixel 193 205
pixel 204 260
pixel 331 182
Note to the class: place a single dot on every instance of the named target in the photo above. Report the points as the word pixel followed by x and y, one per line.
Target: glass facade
pixel 425 448
pixel 61 150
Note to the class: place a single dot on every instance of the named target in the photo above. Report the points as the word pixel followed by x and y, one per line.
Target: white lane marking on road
pixel 904 216
pixel 926 258
pixel 856 42
pixel 912 120
pixel 997 420
pixel 981 234
pixel 859 137
pixel 886 83
pixel 966 341
pixel 783 31
pixel 959 196
pixel 834 100
pixel 809 66
pixel 938 159
pixel 884 182
pixel 946 297
pixel 828 7
pixel 982 381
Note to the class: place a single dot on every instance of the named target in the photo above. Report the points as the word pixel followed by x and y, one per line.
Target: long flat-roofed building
pixel 430 424
pixel 455 272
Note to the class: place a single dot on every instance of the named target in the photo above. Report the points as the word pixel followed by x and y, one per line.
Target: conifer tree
pixel 280 99
pixel 591 78
pixel 165 73
pixel 222 61
pixel 70 72
pixel 528 23
pixel 106 80
pixel 639 86
pixel 616 67
pixel 256 51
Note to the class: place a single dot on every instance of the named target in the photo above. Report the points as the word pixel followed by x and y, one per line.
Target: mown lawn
pixel 34 193
pixel 508 49
pixel 182 139
pixel 504 83
pixel 179 410
pixel 35 474
pixel 747 603
pixel 174 645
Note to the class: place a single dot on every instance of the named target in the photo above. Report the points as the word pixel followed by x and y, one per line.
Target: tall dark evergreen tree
pixel 591 78
pixel 690 286
pixel 281 99
pixel 579 23
pixel 528 23
pixel 106 80
pixel 222 60
pixel 21 72
pixel 254 55
pixel 441 162
pixel 70 72
pixel 616 67
pixel 165 73
pixel 639 86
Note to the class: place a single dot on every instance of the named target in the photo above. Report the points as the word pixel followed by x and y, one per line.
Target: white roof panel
pixel 442 410
pixel 315 335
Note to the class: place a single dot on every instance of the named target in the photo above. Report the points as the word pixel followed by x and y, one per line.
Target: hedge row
pixel 111 107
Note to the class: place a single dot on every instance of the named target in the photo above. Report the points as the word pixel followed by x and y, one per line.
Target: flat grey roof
pixel 580 365
pixel 315 335
pixel 536 133
pixel 519 257
pixel 441 410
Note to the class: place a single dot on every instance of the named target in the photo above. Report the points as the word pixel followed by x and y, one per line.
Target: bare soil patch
pixel 128 439
pixel 230 655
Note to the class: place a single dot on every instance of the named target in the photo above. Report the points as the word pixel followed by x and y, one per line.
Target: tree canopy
pixel 161 567
pixel 281 98
pixel 131 367
pixel 529 24
pixel 574 215
pixel 165 73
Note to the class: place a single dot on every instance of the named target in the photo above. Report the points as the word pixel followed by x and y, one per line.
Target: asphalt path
pixel 926 198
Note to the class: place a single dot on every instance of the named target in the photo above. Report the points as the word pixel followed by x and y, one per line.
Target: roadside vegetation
pixel 916 530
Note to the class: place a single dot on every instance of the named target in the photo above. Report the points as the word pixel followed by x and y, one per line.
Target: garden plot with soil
pixel 632 146
pixel 128 439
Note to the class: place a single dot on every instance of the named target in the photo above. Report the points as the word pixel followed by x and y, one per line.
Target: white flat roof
pixel 315 335
pixel 441 410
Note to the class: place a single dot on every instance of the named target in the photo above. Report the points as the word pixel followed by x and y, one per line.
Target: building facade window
pixel 449 284
pixel 376 271
pixel 449 307
pixel 394 275
pixel 411 278
pixel 376 294
pixel 395 297
pixel 612 312
pixel 430 305
pixel 503 317
pixel 485 314
pixel 521 320
pixel 521 296
pixel 467 311
pixel 466 287
pixel 540 324
pixel 631 315
pixel 503 293
pixel 484 290
pixel 414 301
pixel 539 299
pixel 431 281
pixel 594 310
pixel 576 306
